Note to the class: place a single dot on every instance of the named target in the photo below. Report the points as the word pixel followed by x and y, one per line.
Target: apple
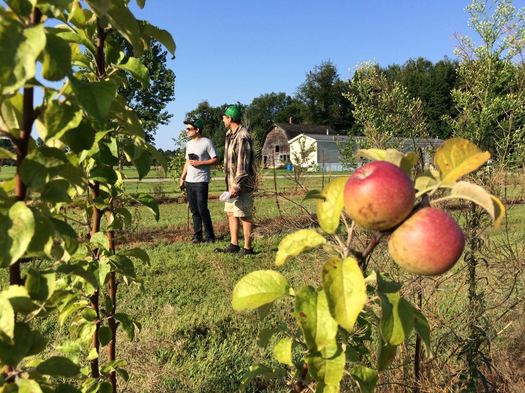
pixel 428 243
pixel 378 196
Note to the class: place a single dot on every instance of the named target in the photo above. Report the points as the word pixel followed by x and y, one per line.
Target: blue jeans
pixel 197 194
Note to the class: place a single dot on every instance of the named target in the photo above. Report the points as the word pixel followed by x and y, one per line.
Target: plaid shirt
pixel 239 163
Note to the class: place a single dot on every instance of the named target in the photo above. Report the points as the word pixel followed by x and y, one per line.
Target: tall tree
pixel 272 108
pixel 383 109
pixel 149 102
pixel 322 94
pixel 432 83
pixel 491 94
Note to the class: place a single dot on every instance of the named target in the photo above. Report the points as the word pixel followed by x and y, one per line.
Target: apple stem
pixel 363 257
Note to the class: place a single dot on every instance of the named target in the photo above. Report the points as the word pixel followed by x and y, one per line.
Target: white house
pixel 323 151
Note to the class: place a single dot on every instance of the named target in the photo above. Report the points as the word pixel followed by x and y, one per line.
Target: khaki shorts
pixel 241 206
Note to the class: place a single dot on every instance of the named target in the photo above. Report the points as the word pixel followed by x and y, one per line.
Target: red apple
pixel 429 242
pixel 378 196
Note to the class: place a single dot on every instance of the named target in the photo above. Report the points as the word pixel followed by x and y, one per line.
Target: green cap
pixel 233 111
pixel 197 123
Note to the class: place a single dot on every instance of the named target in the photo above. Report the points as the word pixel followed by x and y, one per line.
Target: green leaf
pixel 123 20
pixel 59 117
pixel 138 253
pixel 260 371
pixel 458 157
pixel 324 388
pixel 127 324
pixel 329 208
pixel 89 314
pixel 397 318
pixel 103 270
pixel 19 299
pixel 150 203
pixel 138 70
pixel 20 50
pixel 103 174
pixel 4 153
pixel 40 284
pixel 259 288
pixel 317 324
pixel 20 7
pixel 478 195
pixel 426 182
pixel 282 351
pixel 94 97
pixel 58 366
pixel 404 161
pixel 80 138
pixel 100 240
pixel 57 58
pixel 104 335
pixel 13 352
pixel 7 318
pixel 11 112
pixel 141 3
pixel 386 355
pixel 422 328
pixel 123 265
pixel 296 243
pixel 345 288
pixel 68 235
pixel 28 386
pixel 143 164
pixel 328 365
pixel 163 36
pixel 20 229
pixel 366 378
pixel 56 191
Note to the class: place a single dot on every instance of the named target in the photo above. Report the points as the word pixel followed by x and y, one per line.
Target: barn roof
pixel 292 130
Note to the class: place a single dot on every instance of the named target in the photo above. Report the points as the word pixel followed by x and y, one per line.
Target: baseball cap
pixel 233 111
pixel 197 123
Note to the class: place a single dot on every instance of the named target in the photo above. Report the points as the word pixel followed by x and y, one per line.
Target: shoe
pixel 245 251
pixel 232 249
pixel 210 240
pixel 196 240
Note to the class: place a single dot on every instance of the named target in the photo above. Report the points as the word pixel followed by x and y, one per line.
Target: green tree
pixel 149 100
pixel 272 108
pixel 490 96
pixel 83 125
pixel 322 94
pixel 432 83
pixel 383 109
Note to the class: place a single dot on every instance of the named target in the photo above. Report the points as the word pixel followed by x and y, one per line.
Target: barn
pixel 276 147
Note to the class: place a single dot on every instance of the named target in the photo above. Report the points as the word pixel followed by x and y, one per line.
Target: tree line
pixel 324 98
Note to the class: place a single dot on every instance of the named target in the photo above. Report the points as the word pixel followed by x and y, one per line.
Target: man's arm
pixel 183 174
pixel 243 165
pixel 211 161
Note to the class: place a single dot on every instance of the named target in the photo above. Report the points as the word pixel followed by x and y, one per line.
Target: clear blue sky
pixel 236 50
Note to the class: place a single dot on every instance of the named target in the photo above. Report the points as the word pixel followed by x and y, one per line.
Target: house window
pixel 277 148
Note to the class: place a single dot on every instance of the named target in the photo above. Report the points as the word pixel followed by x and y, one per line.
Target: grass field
pixel 193 341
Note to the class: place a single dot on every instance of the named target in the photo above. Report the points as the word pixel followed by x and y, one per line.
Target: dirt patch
pixel 180 233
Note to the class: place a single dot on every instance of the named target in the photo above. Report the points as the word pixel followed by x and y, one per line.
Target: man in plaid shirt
pixel 239 168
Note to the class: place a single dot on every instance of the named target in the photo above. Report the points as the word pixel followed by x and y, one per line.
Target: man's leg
pixel 247 227
pixel 191 193
pixel 204 212
pixel 233 223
